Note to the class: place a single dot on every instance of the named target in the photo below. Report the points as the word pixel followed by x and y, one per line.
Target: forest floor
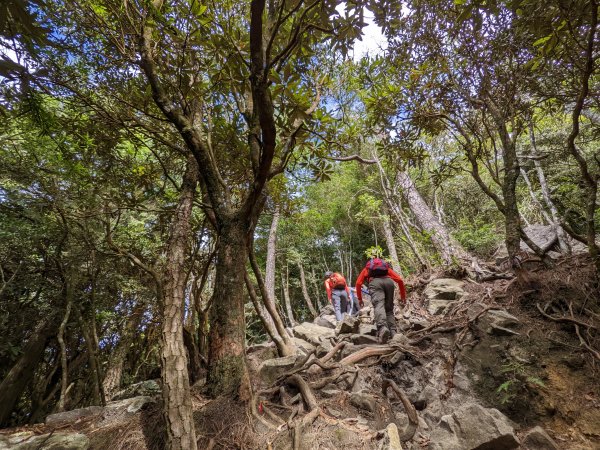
pixel 544 374
pixel 550 377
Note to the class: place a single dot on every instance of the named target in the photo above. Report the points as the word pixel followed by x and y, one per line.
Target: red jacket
pixel 329 287
pixel 364 276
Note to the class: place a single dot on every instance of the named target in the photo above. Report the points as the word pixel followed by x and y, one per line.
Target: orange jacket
pixel 364 276
pixel 329 287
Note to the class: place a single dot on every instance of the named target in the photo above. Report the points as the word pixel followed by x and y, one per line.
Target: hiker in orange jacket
pixel 338 293
pixel 380 279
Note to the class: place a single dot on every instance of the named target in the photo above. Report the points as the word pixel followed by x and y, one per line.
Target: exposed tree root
pixel 325 381
pixel 576 323
pixel 413 419
pixel 367 353
pixel 563 319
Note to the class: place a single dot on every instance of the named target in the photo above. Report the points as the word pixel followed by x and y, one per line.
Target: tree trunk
pixel 21 374
pixel 285 287
pixel 309 302
pixel 391 244
pixel 427 220
pixel 194 358
pixel 275 327
pixel 560 233
pixel 512 223
pixel 590 176
pixel 227 369
pixel 262 313
pixel 271 256
pixel 177 411
pixel 98 394
pixel 268 303
pixel 112 376
pixel 63 348
pixel 313 284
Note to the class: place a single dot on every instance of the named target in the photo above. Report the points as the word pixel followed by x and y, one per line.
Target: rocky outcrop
pixel 310 332
pixel 363 401
pixel 538 439
pixel 442 293
pixel 473 427
pixel 349 325
pixel 48 441
pixel 499 322
pixel 271 369
pixel 144 388
pixel 73 415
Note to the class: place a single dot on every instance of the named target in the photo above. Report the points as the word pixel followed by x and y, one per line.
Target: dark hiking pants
pixel 381 291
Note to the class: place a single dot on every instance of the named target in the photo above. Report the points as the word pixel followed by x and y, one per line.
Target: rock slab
pixel 442 293
pixel 50 441
pixel 313 333
pixel 272 368
pixel 473 427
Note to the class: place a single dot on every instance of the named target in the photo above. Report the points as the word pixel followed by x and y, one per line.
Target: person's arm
pixel 348 292
pixel 398 279
pixel 358 285
pixel 328 289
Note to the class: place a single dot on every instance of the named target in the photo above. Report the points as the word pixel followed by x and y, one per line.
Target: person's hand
pixel 403 302
pixel 361 303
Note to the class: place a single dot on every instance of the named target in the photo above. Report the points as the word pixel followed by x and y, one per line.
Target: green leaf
pixel 542 41
pixel 504 386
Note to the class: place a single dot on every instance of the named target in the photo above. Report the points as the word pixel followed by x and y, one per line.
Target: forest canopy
pixel 176 177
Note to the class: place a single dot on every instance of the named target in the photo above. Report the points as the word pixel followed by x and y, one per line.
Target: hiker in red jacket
pixel 380 279
pixel 338 293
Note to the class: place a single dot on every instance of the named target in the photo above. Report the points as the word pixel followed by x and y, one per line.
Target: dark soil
pixel 544 376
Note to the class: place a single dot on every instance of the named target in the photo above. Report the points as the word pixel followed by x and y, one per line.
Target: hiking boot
pixel 384 335
pixel 392 333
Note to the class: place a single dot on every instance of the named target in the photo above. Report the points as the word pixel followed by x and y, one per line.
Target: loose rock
pixel 538 439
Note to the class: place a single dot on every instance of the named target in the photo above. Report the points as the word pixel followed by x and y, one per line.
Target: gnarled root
pixel 367 353
pixel 413 419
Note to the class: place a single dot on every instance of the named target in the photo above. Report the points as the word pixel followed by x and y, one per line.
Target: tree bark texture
pixel 426 219
pixel 285 287
pixel 390 242
pixel 177 411
pixel 285 346
pixel 270 267
pixel 271 256
pixel 227 370
pixel 309 302
pixel 21 374
pixel 63 348
pixel 560 233
pixel 112 376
